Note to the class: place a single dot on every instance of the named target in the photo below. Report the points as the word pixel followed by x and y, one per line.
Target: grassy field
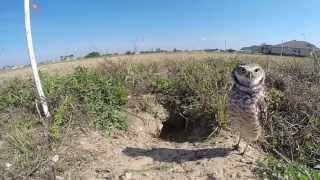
pixel 69 66
pixel 191 86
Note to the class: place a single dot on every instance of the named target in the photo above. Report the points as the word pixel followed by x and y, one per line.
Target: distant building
pixel 212 50
pixel 12 67
pixel 67 58
pixel 290 48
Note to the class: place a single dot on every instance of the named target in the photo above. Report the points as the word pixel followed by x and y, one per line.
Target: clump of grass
pixel 152 106
pixel 162 84
pixel 140 77
pixel 98 93
pixel 274 168
pixel 21 137
pixel 60 114
pixel 19 93
pixel 202 87
pixel 24 136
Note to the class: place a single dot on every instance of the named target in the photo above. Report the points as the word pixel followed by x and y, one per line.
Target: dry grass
pixel 69 66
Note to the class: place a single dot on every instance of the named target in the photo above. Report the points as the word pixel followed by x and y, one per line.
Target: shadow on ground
pixel 177 155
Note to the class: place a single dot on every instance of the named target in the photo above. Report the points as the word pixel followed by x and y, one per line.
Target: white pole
pixel 33 59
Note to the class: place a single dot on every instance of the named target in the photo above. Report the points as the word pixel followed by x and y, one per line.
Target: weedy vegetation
pixel 193 90
pixel 85 99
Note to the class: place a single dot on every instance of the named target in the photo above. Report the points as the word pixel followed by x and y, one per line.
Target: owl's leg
pixel 245 149
pixel 237 146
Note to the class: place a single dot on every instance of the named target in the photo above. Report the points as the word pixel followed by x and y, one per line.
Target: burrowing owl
pixel 246 102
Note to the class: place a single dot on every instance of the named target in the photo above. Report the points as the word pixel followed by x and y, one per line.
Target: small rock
pixel 126 176
pixel 55 158
pixel 238 175
pixel 8 165
pixel 59 178
pixel 1 144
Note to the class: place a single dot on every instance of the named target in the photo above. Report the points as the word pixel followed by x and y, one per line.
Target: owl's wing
pixel 263 109
pixel 263 115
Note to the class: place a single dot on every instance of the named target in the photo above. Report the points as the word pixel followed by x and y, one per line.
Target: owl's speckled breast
pixel 243 111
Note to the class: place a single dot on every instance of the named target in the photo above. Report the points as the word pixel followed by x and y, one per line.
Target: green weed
pixel 162 84
pixel 277 169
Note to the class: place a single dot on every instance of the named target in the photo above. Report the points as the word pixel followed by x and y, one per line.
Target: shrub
pixel 93 55
pixel 273 168
pixel 203 87
pixel 162 84
pixel 293 125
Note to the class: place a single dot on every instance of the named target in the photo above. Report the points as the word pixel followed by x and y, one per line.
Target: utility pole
pixel 225 45
pixel 282 48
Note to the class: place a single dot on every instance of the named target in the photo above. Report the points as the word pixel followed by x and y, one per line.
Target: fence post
pixel 33 60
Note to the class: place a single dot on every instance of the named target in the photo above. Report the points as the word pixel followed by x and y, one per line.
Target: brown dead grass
pixel 68 66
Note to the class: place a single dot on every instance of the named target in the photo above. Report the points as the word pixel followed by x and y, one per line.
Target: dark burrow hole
pixel 184 126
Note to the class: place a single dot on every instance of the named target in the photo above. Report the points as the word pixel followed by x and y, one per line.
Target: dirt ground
pixel 139 154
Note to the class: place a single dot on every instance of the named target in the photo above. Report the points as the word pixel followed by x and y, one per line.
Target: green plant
pixel 203 86
pixel 18 93
pixel 102 95
pixel 93 54
pixel 60 114
pixel 139 77
pixel 274 98
pixel 162 84
pixel 276 169
pixel 293 124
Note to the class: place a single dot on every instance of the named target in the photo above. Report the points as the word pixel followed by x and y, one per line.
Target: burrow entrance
pixel 185 126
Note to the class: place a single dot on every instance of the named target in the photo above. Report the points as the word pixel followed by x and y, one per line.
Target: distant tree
pixel 230 50
pixel 146 52
pixel 129 53
pixel 210 50
pixel 93 54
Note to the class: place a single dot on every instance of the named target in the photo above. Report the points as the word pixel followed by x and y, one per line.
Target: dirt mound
pixel 140 154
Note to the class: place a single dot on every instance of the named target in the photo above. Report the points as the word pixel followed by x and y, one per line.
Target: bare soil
pixel 140 154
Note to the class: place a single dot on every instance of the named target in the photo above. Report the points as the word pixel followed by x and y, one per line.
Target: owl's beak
pixel 249 75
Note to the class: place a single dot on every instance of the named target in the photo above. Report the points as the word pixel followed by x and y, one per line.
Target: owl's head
pixel 248 75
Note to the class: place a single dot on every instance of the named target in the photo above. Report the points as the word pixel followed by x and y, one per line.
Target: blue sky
pixel 77 27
